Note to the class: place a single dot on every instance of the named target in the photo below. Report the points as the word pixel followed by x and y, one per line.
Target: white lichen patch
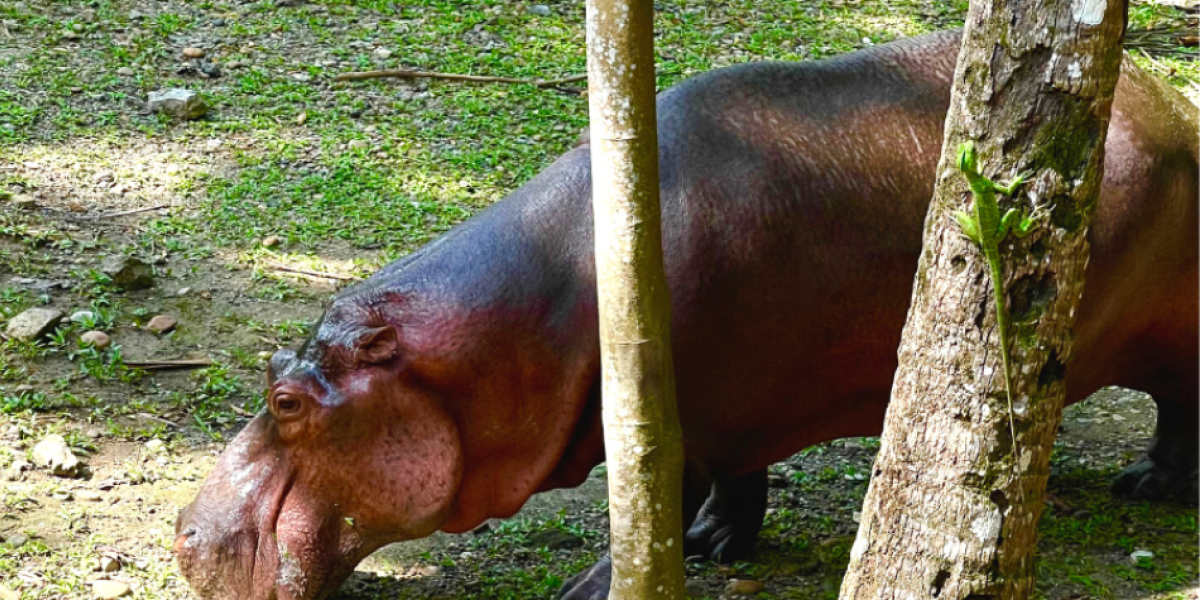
pixel 1088 12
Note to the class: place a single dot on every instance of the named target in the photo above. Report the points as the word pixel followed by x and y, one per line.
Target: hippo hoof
pixel 591 584
pixel 719 541
pixel 1147 479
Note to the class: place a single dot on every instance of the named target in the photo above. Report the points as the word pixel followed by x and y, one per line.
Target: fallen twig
pixel 128 212
pixel 158 365
pixel 542 83
pixel 318 274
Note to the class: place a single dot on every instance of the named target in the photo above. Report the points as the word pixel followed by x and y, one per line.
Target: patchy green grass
pixel 292 168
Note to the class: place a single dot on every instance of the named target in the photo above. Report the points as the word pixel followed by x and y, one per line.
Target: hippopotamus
pixel 462 379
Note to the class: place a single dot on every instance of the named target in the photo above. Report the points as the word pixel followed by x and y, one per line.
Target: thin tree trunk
pixel 641 425
pixel 951 512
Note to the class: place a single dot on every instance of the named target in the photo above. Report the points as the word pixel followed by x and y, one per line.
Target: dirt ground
pixel 294 185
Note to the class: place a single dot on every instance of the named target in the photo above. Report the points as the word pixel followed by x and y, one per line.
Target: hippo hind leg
pixel 727 525
pixel 1168 469
pixel 725 515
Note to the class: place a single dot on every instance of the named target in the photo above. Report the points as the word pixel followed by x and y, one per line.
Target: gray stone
pixel 696 588
pixel 16 471
pixel 128 272
pixel 110 564
pixel 178 102
pixel 540 10
pixel 125 72
pixel 16 541
pixel 33 323
pixel 54 454
pixel 82 316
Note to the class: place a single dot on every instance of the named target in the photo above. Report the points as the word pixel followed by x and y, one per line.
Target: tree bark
pixel 951 513
pixel 642 437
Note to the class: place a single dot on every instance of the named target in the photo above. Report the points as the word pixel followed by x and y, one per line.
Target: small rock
pixel 16 541
pixel 696 588
pixel 89 495
pixel 383 52
pixel 54 454
pixel 98 339
pixel 162 324
pixel 24 201
pixel 270 241
pixel 743 587
pixel 193 53
pixel 125 72
pixel 94 433
pixel 540 10
pixel 70 35
pixel 107 590
pixel 33 323
pixel 76 206
pixel 155 445
pixel 219 23
pixel 1141 555
pixel 210 69
pixel 358 144
pixel 110 564
pixel 135 15
pixel 301 118
pixel 555 539
pixel 178 102
pixel 183 291
pixel 62 495
pixel 16 471
pixel 128 272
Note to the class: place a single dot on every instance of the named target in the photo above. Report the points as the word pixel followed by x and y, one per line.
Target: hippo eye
pixel 287 407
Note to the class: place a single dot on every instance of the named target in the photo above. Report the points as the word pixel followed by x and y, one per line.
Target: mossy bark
pixel 642 437
pixel 951 512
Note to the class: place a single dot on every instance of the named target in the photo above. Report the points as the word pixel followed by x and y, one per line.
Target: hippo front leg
pixel 725 525
pixel 1168 469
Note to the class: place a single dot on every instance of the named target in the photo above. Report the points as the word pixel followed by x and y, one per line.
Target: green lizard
pixel 987 229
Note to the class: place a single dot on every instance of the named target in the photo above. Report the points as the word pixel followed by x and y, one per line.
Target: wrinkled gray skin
pixel 459 381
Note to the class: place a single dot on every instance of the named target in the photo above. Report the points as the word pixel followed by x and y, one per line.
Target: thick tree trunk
pixel 641 425
pixel 951 512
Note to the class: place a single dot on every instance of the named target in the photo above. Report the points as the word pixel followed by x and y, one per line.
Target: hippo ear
pixel 376 345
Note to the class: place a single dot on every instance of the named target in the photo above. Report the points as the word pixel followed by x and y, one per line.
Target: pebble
pixel 54 454
pixel 193 53
pixel 743 587
pixel 358 144
pixel 110 564
pixel 155 445
pixel 89 495
pixel 16 541
pixel 270 241
pixel 98 339
pixel 15 471
pixel 162 324
pixel 107 590
pixel 383 53
pixel 33 323
pixel 540 10
pixel 125 72
pixel 183 291
pixel 70 35
pixel 76 206
pixel 94 433
pixel 1140 555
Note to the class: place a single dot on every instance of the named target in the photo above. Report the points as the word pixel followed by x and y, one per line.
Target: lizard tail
pixel 1003 325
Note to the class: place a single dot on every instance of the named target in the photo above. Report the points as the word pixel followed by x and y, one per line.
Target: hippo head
pixel 351 453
